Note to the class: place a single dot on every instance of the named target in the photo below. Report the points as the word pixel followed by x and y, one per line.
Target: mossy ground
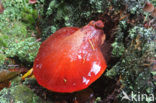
pixel 130 47
pixel 19 94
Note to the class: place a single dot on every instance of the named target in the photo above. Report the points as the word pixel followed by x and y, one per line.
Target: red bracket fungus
pixel 71 59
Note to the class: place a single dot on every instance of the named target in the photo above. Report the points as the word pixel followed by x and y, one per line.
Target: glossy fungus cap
pixel 71 59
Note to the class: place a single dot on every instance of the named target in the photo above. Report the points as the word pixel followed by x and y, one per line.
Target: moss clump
pixel 61 13
pixel 2 58
pixel 134 46
pixel 15 12
pixel 17 23
pixel 134 67
pixel 25 50
pixel 18 10
pixel 18 94
pixel 18 29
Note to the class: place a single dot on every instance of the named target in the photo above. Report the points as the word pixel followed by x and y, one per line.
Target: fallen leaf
pixel 6 75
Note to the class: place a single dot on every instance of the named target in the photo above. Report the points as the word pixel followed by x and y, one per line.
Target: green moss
pixel 60 13
pixel 15 81
pixel 17 8
pixel 25 50
pixel 98 99
pixel 18 29
pixel 135 76
pixel 118 45
pixel 19 94
pixel 2 58
pixel 15 12
pixel 3 40
pixel 118 49
pixel 142 31
pixel 3 97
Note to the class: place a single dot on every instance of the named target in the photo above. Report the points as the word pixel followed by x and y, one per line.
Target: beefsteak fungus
pixel 71 59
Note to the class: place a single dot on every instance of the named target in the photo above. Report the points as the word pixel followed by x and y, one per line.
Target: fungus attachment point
pixel 99 24
pixel 70 59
